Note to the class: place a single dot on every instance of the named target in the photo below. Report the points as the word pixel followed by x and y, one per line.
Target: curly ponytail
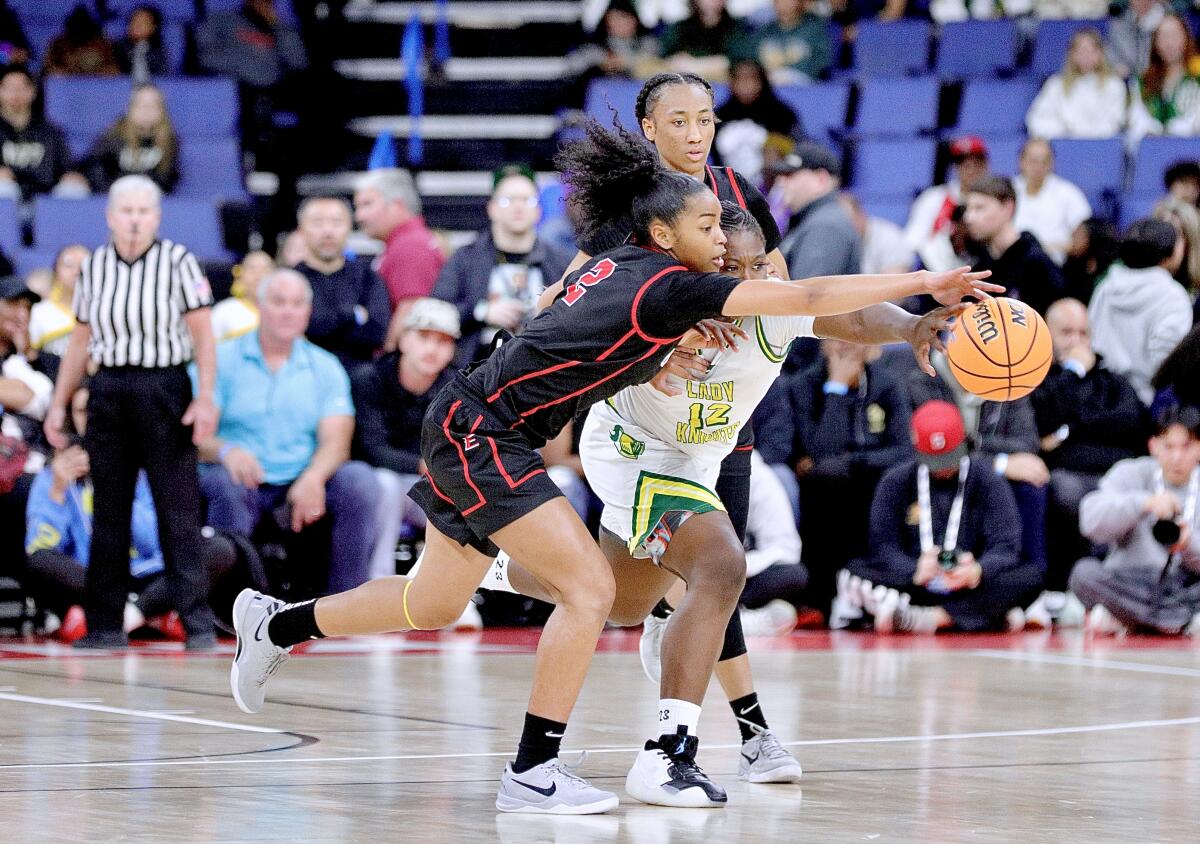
pixel 618 186
pixel 655 86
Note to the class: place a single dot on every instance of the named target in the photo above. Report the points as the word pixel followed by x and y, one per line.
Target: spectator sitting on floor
pixel 1088 419
pixel 140 53
pixel 1145 512
pixel 495 281
pixel 282 447
pixel 1005 433
pixel 350 309
pixel 775 577
pixel 945 541
pixel 1048 206
pixel 932 215
pixel 1166 98
pixel 33 152
pixel 1182 181
pixel 1085 100
pixel 1093 250
pixel 51 320
pixel 851 424
pixel 796 46
pixel 1139 312
pixel 142 142
pixel 1017 260
pixel 238 314
pixel 58 538
pixel 391 395
pixel 388 208
pixel 884 248
pixel 81 49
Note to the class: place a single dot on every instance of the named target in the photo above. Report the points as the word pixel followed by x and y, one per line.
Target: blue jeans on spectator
pixel 1031 504
pixel 351 500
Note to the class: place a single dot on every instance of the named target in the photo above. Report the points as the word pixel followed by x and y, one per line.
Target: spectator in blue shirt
pixel 283 444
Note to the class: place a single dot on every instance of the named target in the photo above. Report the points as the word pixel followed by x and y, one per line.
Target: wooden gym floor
pixel 1035 737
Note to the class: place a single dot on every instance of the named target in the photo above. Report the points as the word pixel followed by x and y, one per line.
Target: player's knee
pixel 722 575
pixel 591 590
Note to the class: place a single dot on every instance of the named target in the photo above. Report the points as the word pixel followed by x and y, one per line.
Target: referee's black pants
pixel 134 423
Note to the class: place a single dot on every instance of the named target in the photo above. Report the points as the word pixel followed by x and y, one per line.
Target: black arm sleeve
pixel 757 205
pixel 679 300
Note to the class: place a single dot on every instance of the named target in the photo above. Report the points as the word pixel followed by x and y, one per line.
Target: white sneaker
pixel 1038 615
pixel 847 604
pixel 665 773
pixel 764 759
pixel 870 596
pixel 1015 618
pixel 650 646
pixel 1073 612
pixel 884 605
pixel 470 619
pixel 1193 629
pixel 257 657
pixel 1100 622
pixel 551 788
pixel 496 578
pixel 777 618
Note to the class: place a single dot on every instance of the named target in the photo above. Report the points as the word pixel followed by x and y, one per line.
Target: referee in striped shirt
pixel 142 311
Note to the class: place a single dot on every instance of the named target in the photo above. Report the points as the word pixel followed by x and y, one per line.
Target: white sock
pixel 416 567
pixel 496 578
pixel 673 714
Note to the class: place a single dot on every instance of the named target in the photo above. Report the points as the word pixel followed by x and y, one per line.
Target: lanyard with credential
pixel 955 518
pixel 1189 505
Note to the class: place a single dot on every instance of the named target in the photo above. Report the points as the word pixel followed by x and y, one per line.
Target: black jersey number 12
pixel 603 269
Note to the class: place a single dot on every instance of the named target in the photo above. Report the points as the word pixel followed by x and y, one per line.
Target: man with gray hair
pixel 388 208
pixel 283 444
pixel 142 315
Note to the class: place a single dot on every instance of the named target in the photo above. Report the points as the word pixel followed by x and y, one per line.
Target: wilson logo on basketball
pixel 985 326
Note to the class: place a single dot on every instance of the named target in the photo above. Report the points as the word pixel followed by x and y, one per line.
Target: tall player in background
pixel 652 459
pixel 486 487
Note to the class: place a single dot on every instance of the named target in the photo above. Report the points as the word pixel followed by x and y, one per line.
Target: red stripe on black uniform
pixel 616 321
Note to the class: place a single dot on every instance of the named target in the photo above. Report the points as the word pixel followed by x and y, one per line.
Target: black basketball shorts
pixel 480 476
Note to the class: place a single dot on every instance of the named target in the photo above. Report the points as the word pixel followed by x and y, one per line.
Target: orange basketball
pixel 999 349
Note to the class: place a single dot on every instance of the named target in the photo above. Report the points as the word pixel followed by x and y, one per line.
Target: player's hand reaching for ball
pixel 926 333
pixel 952 286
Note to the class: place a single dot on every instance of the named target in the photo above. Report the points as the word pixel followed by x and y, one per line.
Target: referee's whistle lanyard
pixel 1189 508
pixel 926 510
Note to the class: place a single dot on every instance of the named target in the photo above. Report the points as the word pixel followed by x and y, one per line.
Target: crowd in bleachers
pixel 1060 154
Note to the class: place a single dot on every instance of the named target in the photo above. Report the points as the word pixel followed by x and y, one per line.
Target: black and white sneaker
pixel 257 656
pixel 666 774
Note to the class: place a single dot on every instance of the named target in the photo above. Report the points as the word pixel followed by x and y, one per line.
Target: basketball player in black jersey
pixel 485 486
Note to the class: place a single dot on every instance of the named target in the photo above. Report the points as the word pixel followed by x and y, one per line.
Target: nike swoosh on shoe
pixel 751 759
pixel 545 792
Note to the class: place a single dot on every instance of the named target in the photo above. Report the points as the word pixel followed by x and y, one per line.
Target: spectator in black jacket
pixel 923 573
pixel 141 142
pixel 1017 260
pixel 33 153
pixel 495 281
pixel 390 398
pixel 1006 433
pixel 851 424
pixel 350 310
pixel 1088 419
pixel 141 53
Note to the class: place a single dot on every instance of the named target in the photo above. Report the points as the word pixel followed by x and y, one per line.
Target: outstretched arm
pixel 887 323
pixel 841 294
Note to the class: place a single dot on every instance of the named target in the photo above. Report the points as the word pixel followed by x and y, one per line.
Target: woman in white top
pixel 51 320
pixel 238 314
pixel 1085 100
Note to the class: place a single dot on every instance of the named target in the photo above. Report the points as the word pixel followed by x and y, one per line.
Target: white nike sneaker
pixel 650 646
pixel 847 604
pixel 257 657
pixel 665 773
pixel 764 759
pixel 496 578
pixel 777 618
pixel 1072 613
pixel 1101 622
pixel 551 788
pixel 1038 615
pixel 884 604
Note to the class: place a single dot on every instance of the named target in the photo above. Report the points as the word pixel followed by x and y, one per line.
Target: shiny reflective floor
pixel 999 738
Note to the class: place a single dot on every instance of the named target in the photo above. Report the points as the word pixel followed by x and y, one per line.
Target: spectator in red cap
pixel 945 541
pixel 932 216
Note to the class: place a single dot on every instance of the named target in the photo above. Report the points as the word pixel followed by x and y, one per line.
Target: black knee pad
pixel 735 643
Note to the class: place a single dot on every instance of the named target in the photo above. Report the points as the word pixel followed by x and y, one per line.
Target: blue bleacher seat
pixel 893 169
pixel 1096 166
pixel 210 169
pixel 10 227
pixel 977 48
pixel 1154 156
pixel 47 11
pixel 897 48
pixel 897 106
pixel 821 106
pixel 58 222
pixel 1134 208
pixel 995 105
pixel 87 105
pixel 1052 40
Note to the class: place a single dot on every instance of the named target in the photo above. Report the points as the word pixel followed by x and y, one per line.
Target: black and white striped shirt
pixel 135 310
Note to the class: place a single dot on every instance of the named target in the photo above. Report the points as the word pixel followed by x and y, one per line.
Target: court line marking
pixel 288 761
pixel 137 713
pixel 1115 664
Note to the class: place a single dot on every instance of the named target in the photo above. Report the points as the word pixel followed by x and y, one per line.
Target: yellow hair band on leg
pixel 404 602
